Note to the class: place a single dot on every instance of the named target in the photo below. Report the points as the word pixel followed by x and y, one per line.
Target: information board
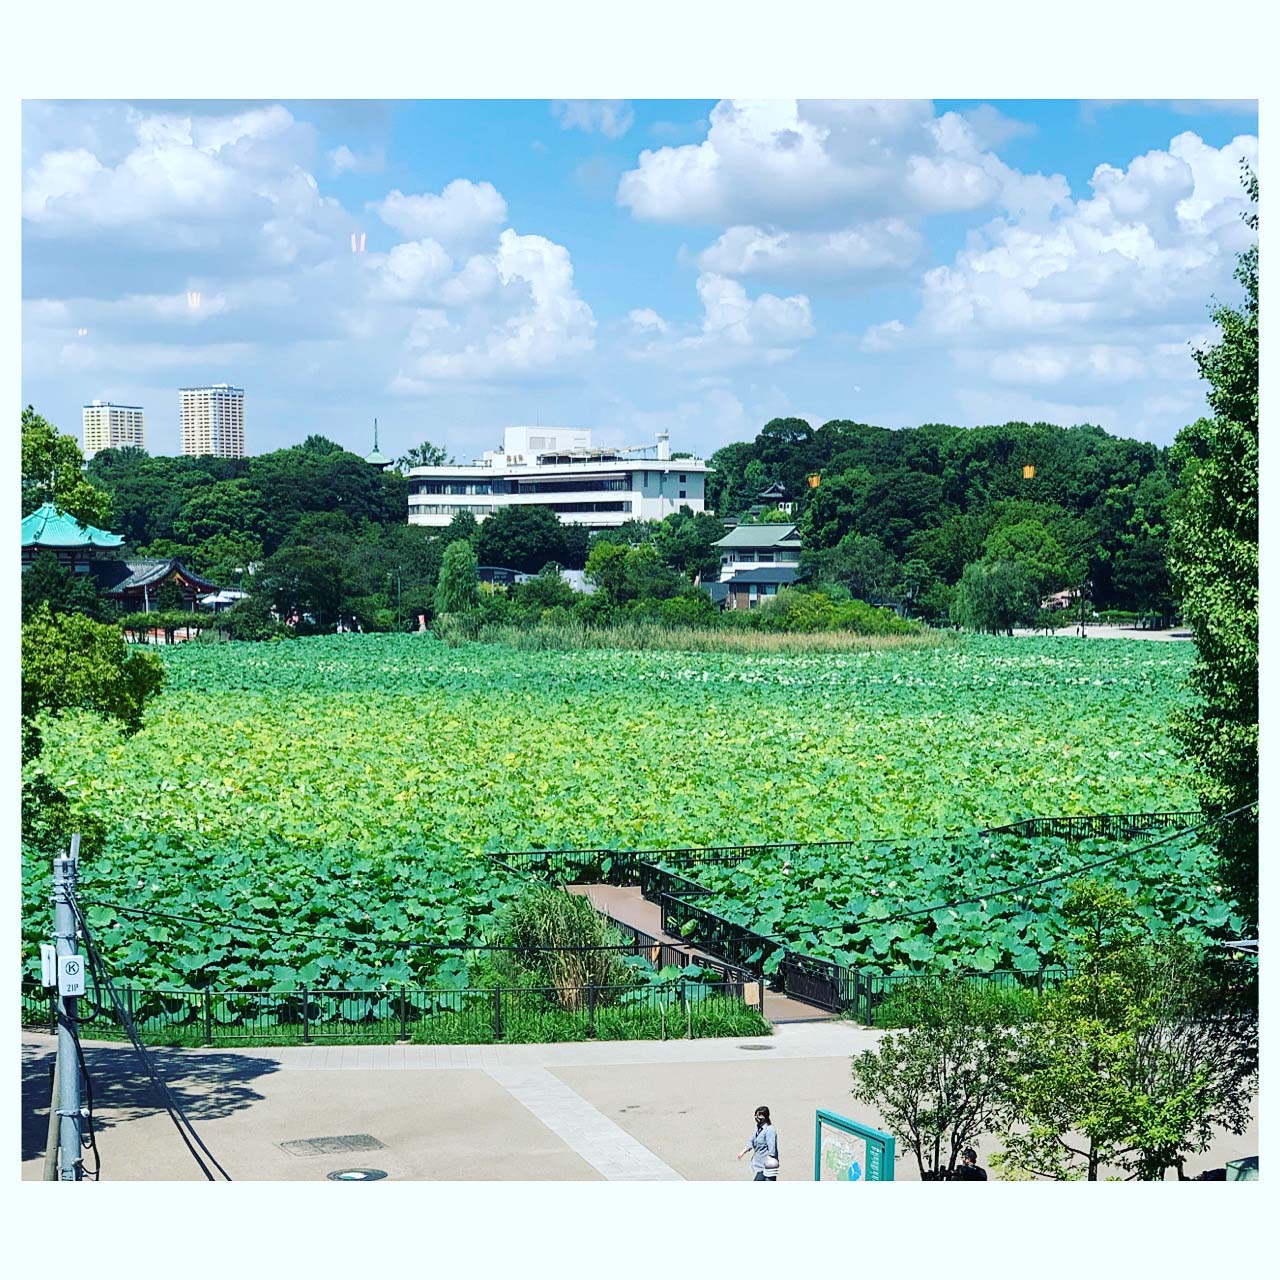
pixel 846 1151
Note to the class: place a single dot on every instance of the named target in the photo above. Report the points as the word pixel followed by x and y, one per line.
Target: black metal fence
pixel 658 872
pixel 1097 826
pixel 672 1010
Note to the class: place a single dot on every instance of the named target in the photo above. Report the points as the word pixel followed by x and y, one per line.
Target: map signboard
pixel 846 1151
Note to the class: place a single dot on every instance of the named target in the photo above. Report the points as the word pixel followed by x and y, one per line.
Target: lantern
pixel 1028 473
pixel 814 480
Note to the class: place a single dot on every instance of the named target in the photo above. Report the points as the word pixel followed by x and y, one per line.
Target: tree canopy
pixel 1214 563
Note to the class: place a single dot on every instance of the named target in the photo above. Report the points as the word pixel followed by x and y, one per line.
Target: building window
pixel 682 493
pixel 682 480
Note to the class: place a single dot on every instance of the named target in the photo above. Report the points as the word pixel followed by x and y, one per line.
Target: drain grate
pixel 332 1146
pixel 756 1048
pixel 356 1175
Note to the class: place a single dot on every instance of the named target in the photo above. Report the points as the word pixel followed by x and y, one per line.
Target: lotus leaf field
pixel 341 791
pixel 872 911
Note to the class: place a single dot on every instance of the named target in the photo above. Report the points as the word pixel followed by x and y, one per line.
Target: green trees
pixel 458 591
pixel 994 597
pixel 944 1082
pixel 52 471
pixel 425 454
pixel 1214 563
pixel 526 538
pixel 47 583
pixel 72 661
pixel 1128 1063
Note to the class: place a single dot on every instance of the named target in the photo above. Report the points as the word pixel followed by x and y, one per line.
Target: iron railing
pixel 681 1008
pixel 1097 826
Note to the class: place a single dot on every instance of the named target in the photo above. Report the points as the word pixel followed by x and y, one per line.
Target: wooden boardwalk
pixel 625 904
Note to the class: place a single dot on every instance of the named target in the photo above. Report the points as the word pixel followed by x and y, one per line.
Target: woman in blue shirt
pixel 763 1148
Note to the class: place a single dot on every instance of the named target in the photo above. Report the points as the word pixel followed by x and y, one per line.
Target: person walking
pixel 763 1148
pixel 969 1170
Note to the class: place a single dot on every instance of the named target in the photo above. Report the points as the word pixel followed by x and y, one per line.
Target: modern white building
pixel 559 468
pixel 112 426
pixel 213 420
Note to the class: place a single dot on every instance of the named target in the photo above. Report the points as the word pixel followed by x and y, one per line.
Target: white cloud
pixel 804 163
pixel 855 254
pixel 464 214
pixel 343 160
pixel 537 322
pixel 609 116
pixel 883 337
pixel 254 263
pixel 735 329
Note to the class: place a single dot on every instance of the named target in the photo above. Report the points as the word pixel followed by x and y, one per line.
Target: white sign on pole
pixel 71 975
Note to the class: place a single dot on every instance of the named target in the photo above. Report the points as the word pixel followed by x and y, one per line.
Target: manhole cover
pixel 333 1146
pixel 356 1175
pixel 756 1048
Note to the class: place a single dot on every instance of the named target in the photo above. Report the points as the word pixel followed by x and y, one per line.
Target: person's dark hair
pixel 762 1111
pixel 970 1154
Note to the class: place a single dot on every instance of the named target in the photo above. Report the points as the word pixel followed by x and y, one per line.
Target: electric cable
pixel 88 1138
pixel 176 1113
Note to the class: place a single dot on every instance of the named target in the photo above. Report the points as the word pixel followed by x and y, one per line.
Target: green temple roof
pixel 48 527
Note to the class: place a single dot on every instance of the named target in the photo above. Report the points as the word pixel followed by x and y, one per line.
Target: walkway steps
pixel 625 904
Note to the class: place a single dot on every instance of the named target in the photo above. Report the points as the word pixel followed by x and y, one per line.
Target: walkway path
pixel 625 904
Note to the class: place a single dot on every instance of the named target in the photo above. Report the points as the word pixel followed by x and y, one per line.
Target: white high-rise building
pixel 559 468
pixel 112 426
pixel 213 420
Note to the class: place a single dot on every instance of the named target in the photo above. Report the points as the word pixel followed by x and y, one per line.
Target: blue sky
pixel 697 266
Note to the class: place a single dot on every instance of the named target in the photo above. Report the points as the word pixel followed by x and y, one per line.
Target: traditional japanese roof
pixel 761 535
pixel 119 576
pixel 783 574
pixel 46 526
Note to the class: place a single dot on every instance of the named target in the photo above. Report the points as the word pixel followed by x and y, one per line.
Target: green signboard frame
pixel 879 1149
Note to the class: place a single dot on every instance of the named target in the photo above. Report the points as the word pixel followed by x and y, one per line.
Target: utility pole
pixel 70 976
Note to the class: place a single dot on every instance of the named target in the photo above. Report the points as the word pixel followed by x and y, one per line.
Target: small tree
pixel 994 597
pixel 425 454
pixel 458 591
pixel 943 1082
pixel 1128 1062
pixel 71 661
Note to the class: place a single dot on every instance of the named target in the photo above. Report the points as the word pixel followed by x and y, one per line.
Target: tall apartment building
pixel 213 420
pixel 559 468
pixel 112 426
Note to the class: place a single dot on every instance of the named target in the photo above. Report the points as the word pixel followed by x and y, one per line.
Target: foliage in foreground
pixel 1131 1063
pixel 1214 560
pixel 944 1082
pixel 1134 1060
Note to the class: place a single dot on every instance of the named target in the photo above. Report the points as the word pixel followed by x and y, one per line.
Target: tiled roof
pixel 48 527
pixel 783 574
pixel 761 535
pixel 119 576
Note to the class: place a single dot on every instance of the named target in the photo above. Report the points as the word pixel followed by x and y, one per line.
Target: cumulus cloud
pixel 862 253
pixel 535 320
pixel 804 163
pixel 343 160
pixel 735 330
pixel 611 117
pixel 257 263
pixel 464 213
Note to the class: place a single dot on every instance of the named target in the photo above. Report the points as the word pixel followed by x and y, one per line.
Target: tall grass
pixel 548 917
pixel 648 635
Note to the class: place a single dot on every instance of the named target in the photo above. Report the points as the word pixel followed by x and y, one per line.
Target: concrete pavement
pixel 636 1110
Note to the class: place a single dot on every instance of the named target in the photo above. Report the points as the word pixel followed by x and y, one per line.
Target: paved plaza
pixel 617 1111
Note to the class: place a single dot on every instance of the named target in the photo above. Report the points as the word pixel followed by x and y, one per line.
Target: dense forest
pixel 924 519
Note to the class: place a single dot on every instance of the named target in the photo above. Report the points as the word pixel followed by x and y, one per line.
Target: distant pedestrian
pixel 763 1148
pixel 969 1170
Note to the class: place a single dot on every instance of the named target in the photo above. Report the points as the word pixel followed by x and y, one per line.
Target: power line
pixel 186 1130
